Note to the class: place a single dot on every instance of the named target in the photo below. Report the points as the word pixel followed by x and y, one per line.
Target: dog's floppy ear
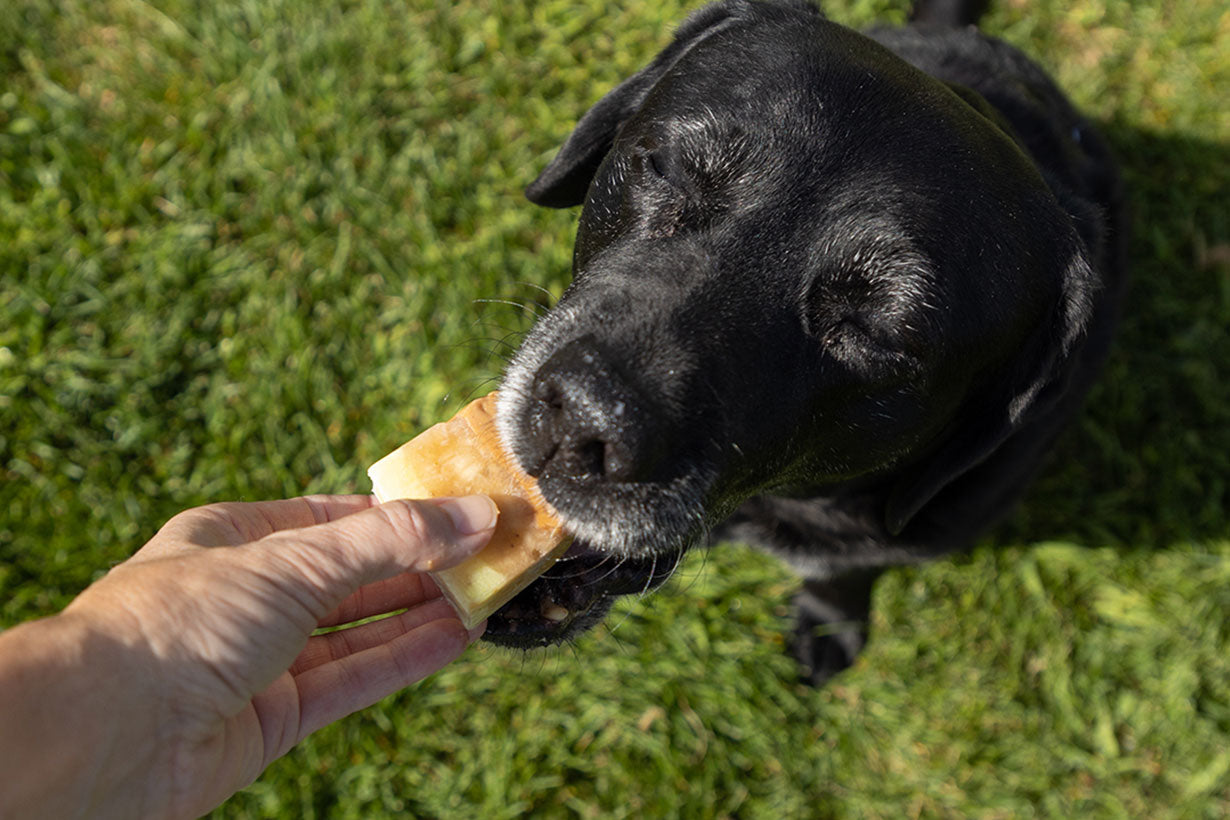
pixel 1017 398
pixel 564 182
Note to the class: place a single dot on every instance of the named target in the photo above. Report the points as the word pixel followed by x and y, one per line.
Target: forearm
pixel 63 750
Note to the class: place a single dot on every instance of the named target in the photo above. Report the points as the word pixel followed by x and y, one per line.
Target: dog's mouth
pixel 631 481
pixel 574 594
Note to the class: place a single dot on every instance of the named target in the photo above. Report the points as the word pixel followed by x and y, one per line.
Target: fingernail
pixel 471 514
pixel 476 632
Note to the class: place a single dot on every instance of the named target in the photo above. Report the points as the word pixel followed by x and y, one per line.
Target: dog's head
pixel 801 265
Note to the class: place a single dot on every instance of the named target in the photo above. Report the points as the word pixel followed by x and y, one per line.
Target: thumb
pixel 322 565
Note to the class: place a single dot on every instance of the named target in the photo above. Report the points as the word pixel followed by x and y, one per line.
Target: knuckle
pixel 195 516
pixel 412 521
pixel 207 526
pixel 317 507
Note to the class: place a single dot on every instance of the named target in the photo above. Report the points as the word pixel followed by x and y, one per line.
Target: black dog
pixel 834 292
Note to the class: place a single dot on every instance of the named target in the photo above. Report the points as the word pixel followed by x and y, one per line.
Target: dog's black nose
pixel 587 420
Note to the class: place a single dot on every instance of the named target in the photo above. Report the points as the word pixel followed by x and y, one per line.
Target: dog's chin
pixel 575 594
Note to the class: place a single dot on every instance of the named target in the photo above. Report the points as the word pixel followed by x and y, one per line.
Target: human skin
pixel 178 677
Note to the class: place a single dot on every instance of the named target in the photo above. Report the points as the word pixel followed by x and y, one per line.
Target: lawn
pixel 248 247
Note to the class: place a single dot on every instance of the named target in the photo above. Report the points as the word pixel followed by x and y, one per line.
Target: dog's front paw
pixel 825 647
pixel 831 623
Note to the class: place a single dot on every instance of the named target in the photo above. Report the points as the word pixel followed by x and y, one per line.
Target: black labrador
pixel 834 294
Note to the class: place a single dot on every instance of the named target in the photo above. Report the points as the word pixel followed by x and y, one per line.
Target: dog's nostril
pixel 591 457
pixel 587 458
pixel 549 394
pixel 586 420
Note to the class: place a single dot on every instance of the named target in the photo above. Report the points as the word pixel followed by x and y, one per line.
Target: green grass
pixel 242 248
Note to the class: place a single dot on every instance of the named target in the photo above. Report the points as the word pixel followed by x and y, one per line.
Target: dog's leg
pixel 823 541
pixel 831 618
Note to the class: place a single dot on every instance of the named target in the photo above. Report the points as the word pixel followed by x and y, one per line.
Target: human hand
pixel 212 670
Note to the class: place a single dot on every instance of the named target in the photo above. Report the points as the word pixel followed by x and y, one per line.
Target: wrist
pixel 66 750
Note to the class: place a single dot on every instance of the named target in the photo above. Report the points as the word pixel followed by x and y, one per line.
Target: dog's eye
pixel 658 164
pixel 663 164
pixel 858 344
pixel 848 331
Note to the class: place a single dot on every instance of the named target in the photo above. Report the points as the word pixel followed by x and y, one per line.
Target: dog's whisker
pixel 678 560
pixel 628 610
pixel 550 296
pixel 489 322
pixel 502 341
pixel 531 308
pixel 492 347
pixel 611 630
pixel 581 574
pixel 618 566
pixel 511 334
pixel 488 343
pixel 576 653
pixel 653 571
pixel 473 391
pixel 650 580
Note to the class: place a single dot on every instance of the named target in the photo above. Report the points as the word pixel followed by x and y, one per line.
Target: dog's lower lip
pixel 573 594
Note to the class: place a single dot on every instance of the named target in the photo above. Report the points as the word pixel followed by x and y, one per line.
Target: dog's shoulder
pixel 1062 142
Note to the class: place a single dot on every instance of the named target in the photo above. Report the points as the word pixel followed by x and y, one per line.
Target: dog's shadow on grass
pixel 1148 463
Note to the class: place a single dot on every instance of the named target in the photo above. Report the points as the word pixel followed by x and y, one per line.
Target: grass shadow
pixel 1148 462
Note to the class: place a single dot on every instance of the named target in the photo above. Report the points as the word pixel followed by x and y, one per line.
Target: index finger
pixel 399 592
pixel 231 523
pixel 325 564
pixel 304 511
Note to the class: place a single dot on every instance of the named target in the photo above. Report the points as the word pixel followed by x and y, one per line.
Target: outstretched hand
pixel 206 640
